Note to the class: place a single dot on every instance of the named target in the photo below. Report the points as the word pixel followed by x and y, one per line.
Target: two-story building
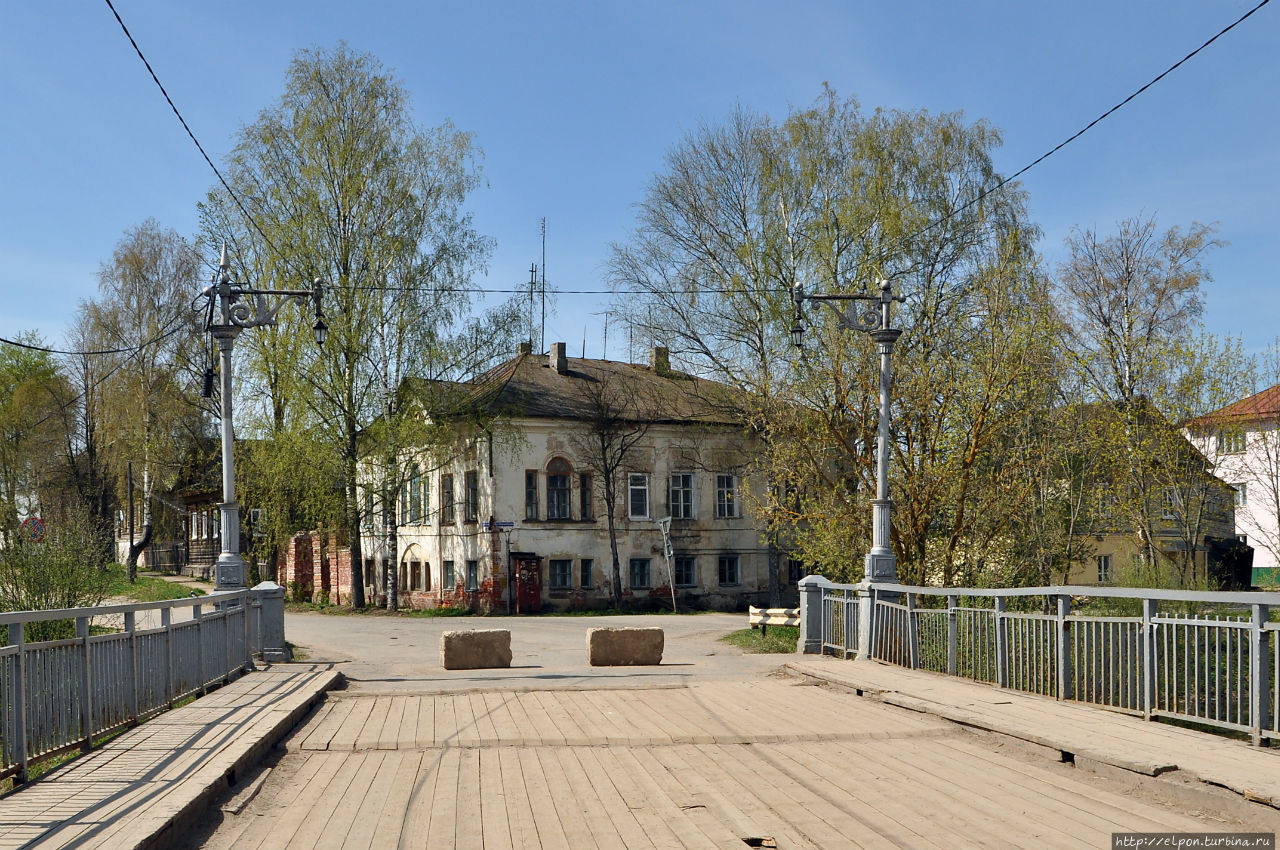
pixel 515 515
pixel 1243 442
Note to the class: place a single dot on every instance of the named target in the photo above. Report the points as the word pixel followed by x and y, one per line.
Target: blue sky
pixel 575 105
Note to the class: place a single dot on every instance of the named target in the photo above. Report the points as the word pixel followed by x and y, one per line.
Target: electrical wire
pixel 1005 181
pixel 160 337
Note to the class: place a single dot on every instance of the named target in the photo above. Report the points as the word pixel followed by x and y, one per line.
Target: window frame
pixel 448 576
pixel 473 576
pixel 558 498
pixel 686 506
pixel 586 573
pixel 727 501
pixel 448 500
pixel 586 502
pixel 565 567
pixel 1106 573
pixel 1231 442
pixel 471 496
pixel 722 561
pixel 637 483
pixel 679 563
pixel 1241 495
pixel 531 494
pixel 643 563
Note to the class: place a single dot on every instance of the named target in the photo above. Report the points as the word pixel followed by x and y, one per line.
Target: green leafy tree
pixel 342 186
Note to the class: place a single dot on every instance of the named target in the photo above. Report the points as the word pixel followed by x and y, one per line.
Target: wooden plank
pixel 327 720
pixel 469 828
pixel 371 732
pixel 467 734
pixel 426 734
pixel 621 812
pixel 632 720
pixel 390 822
pixel 344 740
pixel 324 809
pixel 494 820
pixel 652 811
pixel 389 734
pixel 544 726
pixel 551 833
pixel 446 724
pixel 422 801
pixel 586 823
pixel 564 709
pixel 504 722
pixel 357 813
pixel 520 820
pixel 486 731
pixel 276 828
pixel 442 827
pixel 696 826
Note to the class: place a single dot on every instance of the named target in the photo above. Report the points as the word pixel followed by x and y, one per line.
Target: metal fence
pixel 122 664
pixel 1209 658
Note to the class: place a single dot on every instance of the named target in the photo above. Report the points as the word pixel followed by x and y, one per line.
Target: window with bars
pixel 680 496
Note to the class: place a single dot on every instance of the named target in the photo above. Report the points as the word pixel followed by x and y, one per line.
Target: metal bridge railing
pixel 1205 657
pixel 123 664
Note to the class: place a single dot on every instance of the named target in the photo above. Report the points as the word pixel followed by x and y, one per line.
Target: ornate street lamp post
pixel 868 313
pixel 229 313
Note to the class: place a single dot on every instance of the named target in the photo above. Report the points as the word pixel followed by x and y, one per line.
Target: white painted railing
pixel 124 663
pixel 1205 657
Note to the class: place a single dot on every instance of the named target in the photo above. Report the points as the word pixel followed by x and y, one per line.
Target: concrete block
pixel 475 648
pixel 615 647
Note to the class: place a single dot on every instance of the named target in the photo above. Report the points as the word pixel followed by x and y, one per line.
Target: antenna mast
pixel 533 280
pixel 542 337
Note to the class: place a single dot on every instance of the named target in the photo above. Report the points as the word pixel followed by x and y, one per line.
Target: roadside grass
pixel 778 639
pixel 369 610
pixel 148 588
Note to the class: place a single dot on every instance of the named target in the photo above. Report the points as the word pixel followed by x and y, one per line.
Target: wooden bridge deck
pixel 769 762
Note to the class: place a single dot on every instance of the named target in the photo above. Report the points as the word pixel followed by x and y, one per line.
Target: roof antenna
pixel 533 280
pixel 542 337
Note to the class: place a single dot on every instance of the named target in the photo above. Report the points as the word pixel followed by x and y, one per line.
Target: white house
pixel 1243 442
pixel 515 518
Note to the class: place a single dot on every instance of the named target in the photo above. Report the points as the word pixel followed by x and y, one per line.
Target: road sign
pixel 33 528
pixel 500 525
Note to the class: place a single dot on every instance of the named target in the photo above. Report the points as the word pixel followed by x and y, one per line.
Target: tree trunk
pixel 391 574
pixel 615 579
pixel 353 528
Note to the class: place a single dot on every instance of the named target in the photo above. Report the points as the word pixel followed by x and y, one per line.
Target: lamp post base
pixel 229 572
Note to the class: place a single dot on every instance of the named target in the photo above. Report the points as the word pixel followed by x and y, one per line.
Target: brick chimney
pixel 660 360
pixel 557 359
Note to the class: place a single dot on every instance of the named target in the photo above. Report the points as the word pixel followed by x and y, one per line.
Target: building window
pixel 473 575
pixel 795 570
pixel 638 575
pixel 471 497
pixel 727 570
pixel 531 494
pixel 680 495
pixel 402 583
pixel 1231 442
pixel 1242 494
pixel 450 580
pixel 560 574
pixel 638 495
pixel 585 502
pixel 415 495
pixel 426 575
pixel 448 513
pixel 404 503
pixel 558 489
pixel 1104 569
pixel 586 566
pixel 1170 503
pixel 686 571
pixel 367 519
pixel 726 496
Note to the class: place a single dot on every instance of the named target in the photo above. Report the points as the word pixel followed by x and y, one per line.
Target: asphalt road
pixel 402 654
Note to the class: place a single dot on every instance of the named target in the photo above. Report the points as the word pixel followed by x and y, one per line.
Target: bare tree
pixel 616 419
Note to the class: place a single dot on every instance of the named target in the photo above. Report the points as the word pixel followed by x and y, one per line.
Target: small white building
pixel 1243 442
pixel 515 518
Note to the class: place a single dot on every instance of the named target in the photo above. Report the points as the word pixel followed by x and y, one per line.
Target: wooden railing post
pixel 1259 673
pixel 86 685
pixel 953 633
pixel 1002 643
pixel 1150 608
pixel 18 698
pixel 1063 646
